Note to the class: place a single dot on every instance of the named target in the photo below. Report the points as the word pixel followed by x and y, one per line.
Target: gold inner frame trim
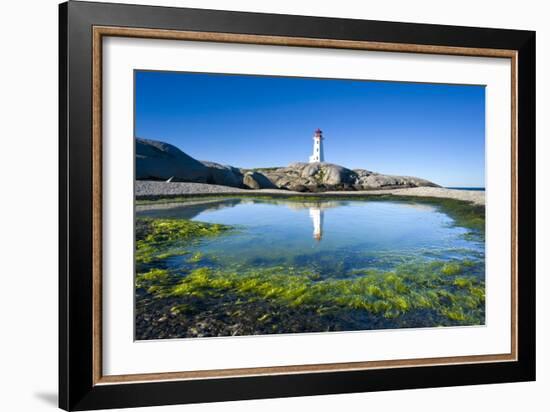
pixel 101 31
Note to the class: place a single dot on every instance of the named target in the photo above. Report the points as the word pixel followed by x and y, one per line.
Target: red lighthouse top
pixel 318 131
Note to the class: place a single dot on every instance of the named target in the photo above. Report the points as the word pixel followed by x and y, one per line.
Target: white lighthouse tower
pixel 318 152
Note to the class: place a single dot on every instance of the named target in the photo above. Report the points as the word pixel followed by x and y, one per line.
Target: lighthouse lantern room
pixel 318 152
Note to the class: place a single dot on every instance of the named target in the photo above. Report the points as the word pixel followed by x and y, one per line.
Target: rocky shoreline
pixel 157 190
pixel 164 171
pixel 159 161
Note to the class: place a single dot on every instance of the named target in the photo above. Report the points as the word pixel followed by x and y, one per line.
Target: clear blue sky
pixel 431 131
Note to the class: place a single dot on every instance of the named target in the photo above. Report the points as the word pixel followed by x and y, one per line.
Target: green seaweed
pixel 450 292
pixel 160 239
pixel 154 281
pixel 451 268
pixel 390 294
pixel 197 257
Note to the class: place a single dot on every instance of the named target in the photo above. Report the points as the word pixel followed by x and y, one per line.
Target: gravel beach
pixel 151 189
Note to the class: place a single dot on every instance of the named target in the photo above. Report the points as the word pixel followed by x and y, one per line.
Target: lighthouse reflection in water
pixel 317 217
pixel 273 231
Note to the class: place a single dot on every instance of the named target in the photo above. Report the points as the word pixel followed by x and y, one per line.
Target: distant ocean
pixel 468 188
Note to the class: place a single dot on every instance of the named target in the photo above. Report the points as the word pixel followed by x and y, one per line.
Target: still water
pixel 328 232
pixel 293 266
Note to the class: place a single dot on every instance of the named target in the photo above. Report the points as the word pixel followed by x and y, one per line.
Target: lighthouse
pixel 318 152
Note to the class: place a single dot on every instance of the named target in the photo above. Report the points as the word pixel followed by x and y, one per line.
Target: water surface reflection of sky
pixel 281 229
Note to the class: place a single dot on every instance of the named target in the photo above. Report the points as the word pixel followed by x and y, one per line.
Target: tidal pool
pixel 248 266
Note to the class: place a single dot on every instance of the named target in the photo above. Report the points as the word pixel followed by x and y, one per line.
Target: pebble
pixel 146 189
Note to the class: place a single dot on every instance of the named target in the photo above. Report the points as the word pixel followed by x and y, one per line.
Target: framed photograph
pixel 256 205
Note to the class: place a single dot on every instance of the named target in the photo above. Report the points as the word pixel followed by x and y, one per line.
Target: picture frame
pixel 82 28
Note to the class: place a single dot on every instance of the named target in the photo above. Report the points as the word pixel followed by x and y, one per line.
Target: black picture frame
pixel 77 390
